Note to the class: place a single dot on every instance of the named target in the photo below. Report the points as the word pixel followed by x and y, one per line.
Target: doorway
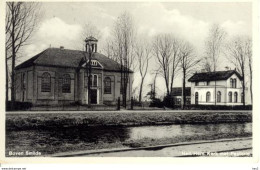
pixel 93 98
pixel 196 98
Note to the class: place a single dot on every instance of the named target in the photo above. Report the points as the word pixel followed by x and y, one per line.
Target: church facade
pixel 58 76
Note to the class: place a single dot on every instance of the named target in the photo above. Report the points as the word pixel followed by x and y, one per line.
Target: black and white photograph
pixel 129 79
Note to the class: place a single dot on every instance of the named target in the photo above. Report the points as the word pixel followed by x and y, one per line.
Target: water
pixel 59 140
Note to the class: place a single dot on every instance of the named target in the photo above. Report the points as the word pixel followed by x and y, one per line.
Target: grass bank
pixel 22 121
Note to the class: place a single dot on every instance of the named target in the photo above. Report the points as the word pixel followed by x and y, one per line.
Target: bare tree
pixel 213 49
pixel 143 54
pixel 166 49
pixel 21 22
pixel 249 54
pixel 110 50
pixel 187 63
pixel 238 52
pixel 124 35
pixel 89 30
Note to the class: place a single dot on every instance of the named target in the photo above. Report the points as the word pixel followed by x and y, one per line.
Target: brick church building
pixel 57 76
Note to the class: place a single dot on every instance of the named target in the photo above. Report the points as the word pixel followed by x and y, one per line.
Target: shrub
pixel 18 106
pixel 156 103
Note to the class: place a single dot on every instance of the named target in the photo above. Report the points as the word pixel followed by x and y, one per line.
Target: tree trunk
pixel 215 91
pixel 6 80
pixel 243 87
pixel 13 61
pixel 183 90
pixel 141 90
pixel 251 78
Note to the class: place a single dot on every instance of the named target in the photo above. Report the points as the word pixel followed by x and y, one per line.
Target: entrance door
pixel 196 98
pixel 93 96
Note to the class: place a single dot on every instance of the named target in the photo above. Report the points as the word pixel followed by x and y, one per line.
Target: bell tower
pixel 91 44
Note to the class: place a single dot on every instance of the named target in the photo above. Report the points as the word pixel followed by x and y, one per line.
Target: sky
pixel 63 22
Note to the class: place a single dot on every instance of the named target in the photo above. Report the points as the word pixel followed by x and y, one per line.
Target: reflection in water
pixel 94 135
pixel 189 130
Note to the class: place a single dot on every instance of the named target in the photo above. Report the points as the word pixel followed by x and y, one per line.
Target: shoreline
pixel 26 121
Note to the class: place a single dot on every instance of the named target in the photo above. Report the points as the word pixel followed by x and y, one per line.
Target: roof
pixel 177 91
pixel 212 76
pixel 68 58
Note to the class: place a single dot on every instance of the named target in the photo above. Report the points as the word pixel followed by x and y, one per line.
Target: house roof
pixel 68 58
pixel 210 76
pixel 177 91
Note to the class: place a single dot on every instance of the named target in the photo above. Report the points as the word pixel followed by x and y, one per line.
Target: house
pixel 227 91
pixel 177 95
pixel 57 76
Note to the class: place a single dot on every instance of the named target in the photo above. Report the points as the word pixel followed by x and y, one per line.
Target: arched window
pixel 235 83
pixel 196 98
pixel 46 82
pixel 231 83
pixel 235 97
pixel 219 97
pixel 208 97
pixel 66 81
pixel 230 97
pixel 107 85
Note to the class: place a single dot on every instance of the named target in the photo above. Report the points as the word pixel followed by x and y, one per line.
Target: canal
pixel 76 139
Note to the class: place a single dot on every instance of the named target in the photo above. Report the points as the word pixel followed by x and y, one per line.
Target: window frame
pixel 46 82
pixel 235 97
pixel 231 82
pixel 66 83
pixel 230 97
pixel 208 95
pixel 107 80
pixel 218 97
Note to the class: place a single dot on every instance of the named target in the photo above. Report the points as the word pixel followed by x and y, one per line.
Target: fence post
pixel 132 103
pixel 118 103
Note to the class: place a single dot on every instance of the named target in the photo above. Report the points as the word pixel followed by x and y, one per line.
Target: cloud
pixel 54 32
pixel 236 28
pixel 153 19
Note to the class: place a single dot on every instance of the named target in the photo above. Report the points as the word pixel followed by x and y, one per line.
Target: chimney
pixel 61 47
pixel 203 70
pixel 227 68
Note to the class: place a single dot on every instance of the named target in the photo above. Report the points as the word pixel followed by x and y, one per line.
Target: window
pixel 207 83
pixel 208 97
pixel 234 83
pixel 231 83
pixel 235 97
pixel 242 97
pixel 93 62
pixel 66 81
pixel 196 83
pixel 107 85
pixel 95 81
pixel 46 82
pixel 230 97
pixel 219 97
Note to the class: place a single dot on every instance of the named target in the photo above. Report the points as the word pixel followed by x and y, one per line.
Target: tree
pixel 124 35
pixel 143 54
pixel 213 49
pixel 249 54
pixel 238 51
pixel 89 30
pixel 166 49
pixel 21 22
pixel 187 62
